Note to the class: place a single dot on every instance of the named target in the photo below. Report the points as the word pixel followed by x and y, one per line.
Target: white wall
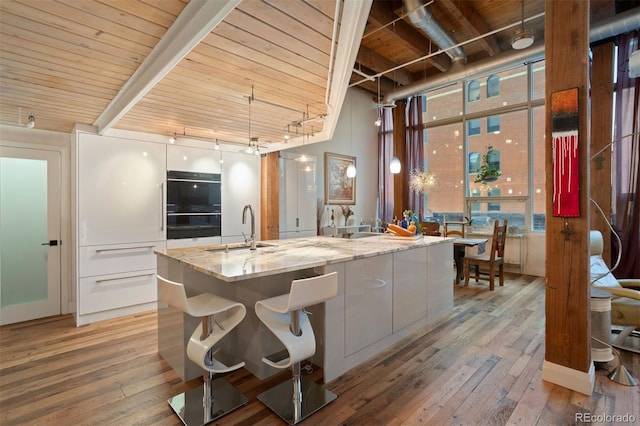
pixel 355 135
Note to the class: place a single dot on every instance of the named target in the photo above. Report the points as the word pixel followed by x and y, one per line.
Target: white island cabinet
pixel 387 289
pixel 120 223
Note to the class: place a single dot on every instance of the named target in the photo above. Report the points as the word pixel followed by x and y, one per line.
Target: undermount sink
pixel 357 235
pixel 234 247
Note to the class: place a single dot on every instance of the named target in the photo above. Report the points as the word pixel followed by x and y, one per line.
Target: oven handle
pixel 194 214
pixel 192 180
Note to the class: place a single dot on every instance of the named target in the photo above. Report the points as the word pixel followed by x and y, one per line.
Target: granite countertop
pixel 278 256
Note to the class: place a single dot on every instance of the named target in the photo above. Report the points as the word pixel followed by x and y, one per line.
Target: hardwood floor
pixel 479 366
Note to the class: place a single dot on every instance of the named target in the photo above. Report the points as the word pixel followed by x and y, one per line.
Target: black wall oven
pixel 193 205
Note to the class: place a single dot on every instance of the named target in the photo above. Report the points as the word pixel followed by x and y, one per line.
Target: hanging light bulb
pixel 217 147
pixel 395 166
pixel 351 170
pixel 31 121
pixel 172 139
pixel 257 151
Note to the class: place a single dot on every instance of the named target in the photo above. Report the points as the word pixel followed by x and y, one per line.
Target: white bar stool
pixel 285 316
pixel 214 398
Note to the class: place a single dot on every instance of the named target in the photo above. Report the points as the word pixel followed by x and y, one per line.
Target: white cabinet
pixel 409 287
pixel 298 197
pixel 368 301
pixel 439 286
pixel 120 222
pixel 240 186
pixel 190 159
pixel 120 190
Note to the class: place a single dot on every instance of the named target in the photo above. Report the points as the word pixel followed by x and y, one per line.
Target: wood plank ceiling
pixel 264 68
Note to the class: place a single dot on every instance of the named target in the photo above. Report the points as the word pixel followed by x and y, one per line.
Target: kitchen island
pixel 388 287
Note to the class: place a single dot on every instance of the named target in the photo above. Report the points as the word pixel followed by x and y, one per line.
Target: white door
pixel 29 234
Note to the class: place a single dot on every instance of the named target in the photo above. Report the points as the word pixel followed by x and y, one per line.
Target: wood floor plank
pixel 481 365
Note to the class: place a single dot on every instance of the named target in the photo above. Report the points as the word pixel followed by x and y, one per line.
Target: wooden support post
pixel 602 108
pixel 567 338
pixel 270 196
pixel 400 180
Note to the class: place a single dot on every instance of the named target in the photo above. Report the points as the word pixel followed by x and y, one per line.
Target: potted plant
pixel 487 172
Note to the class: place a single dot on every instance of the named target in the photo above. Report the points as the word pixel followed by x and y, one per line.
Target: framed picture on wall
pixel 338 188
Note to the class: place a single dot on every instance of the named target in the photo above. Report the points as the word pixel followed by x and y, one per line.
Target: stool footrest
pixel 277 356
pixel 278 399
pixel 192 411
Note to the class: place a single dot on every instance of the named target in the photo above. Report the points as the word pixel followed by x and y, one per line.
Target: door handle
pixel 51 243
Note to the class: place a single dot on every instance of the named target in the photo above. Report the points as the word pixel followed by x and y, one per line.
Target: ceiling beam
pixel 404 34
pixel 472 22
pixel 370 59
pixel 196 20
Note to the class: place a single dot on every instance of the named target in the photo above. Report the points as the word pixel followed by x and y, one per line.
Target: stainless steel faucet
pixel 252 238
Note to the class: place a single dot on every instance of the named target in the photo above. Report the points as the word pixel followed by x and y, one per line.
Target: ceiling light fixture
pixel 31 121
pixel 217 147
pixel 286 134
pixel 172 139
pixel 522 37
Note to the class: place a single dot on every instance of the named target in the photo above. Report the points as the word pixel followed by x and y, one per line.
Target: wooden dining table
pixel 459 246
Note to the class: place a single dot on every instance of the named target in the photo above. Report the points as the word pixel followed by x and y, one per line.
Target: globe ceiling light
pixel 395 166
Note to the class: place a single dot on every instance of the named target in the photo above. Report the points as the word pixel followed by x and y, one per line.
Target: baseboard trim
pixel 579 381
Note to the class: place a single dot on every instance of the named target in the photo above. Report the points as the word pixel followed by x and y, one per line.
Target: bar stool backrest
pixel 173 293
pixel 311 291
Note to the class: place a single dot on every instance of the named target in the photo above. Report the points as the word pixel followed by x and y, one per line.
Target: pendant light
pixel 249 149
pixel 395 166
pixel 378 121
pixel 522 37
pixel 351 168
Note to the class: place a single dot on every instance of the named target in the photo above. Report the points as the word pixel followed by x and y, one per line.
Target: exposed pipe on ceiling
pixel 611 27
pixel 422 19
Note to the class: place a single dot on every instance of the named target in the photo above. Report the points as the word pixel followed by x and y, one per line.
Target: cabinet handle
pixel 124 278
pixel 125 248
pixel 297 222
pixel 162 206
pixel 378 283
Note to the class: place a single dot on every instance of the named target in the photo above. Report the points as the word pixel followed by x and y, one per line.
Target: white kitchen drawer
pixel 105 292
pixel 114 258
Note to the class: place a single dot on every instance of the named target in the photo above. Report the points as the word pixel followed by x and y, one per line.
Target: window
pixel 494 159
pixel 493 124
pixel 473 127
pixel 493 207
pixel 474 162
pixel 512 117
pixel 473 91
pixel 493 86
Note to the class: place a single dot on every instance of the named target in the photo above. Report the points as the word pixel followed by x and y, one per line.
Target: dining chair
pixel 454 229
pixel 430 228
pixel 486 264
